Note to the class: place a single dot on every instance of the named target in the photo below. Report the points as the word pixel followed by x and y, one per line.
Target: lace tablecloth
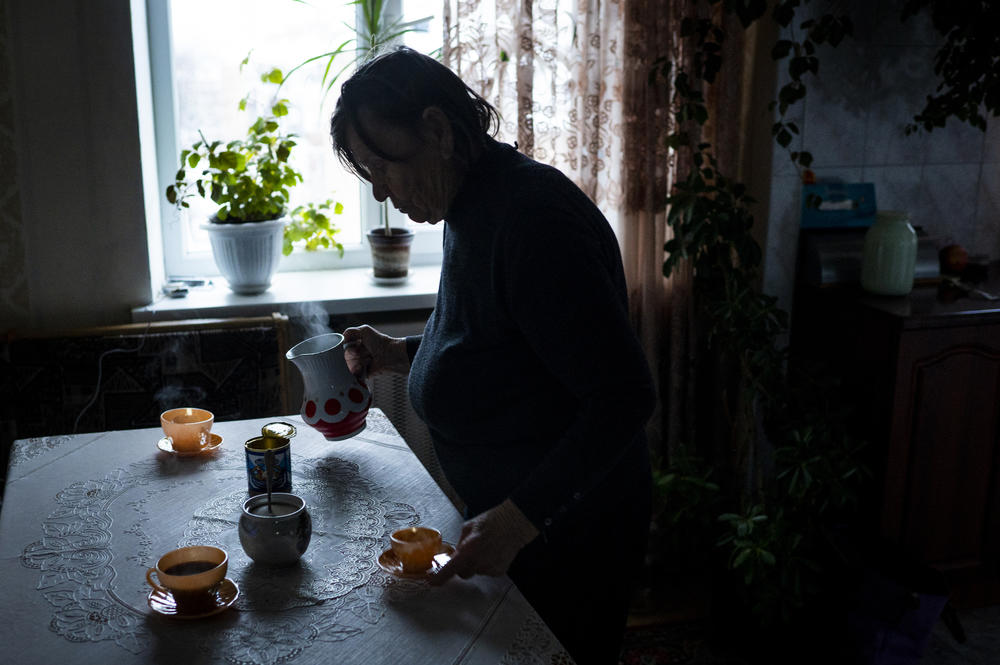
pixel 85 515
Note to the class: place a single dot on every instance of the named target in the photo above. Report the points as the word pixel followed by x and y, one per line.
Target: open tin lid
pixel 278 429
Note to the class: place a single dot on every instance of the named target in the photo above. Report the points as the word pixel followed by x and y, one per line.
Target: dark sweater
pixel 528 374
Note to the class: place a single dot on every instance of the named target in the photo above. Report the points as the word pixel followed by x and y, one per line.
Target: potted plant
pixel 790 483
pixel 753 513
pixel 390 247
pixel 249 180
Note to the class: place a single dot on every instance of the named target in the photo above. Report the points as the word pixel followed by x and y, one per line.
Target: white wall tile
pixel 900 80
pixel 985 238
pixel 889 29
pixel 840 174
pixel 837 109
pixel 782 240
pixel 852 121
pixel 991 142
pixel 896 187
pixel 949 202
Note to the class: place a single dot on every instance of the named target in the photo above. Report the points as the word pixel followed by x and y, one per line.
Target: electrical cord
pixel 100 370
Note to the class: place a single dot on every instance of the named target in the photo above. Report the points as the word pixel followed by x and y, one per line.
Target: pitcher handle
pixel 363 377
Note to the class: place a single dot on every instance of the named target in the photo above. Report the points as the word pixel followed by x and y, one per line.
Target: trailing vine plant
pixel 968 63
pixel 797 469
pixel 798 466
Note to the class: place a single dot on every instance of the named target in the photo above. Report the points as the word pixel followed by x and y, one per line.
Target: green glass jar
pixel 889 257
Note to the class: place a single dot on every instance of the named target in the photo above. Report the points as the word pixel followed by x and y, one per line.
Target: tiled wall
pixel 852 122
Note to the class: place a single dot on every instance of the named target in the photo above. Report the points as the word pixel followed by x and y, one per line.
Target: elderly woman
pixel 528 373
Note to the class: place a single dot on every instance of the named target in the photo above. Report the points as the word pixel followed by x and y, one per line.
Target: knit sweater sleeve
pixel 412 344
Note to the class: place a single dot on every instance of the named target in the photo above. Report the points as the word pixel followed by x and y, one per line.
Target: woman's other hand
pixel 488 544
pixel 366 350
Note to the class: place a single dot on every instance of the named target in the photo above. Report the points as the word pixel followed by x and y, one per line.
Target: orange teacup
pixel 187 428
pixel 416 547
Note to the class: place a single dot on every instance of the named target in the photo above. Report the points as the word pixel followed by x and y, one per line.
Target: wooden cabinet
pixel 924 372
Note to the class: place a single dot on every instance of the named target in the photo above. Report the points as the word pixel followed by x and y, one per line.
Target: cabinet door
pixel 942 499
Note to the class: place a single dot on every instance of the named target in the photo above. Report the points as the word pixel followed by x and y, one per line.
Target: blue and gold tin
pixel 257 450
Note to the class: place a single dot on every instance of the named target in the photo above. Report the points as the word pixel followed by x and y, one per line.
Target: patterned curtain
pixel 554 70
pixel 661 307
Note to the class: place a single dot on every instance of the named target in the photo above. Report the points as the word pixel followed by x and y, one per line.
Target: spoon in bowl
pixel 268 472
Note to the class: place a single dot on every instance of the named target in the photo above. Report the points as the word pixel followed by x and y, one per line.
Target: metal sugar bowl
pixel 276 534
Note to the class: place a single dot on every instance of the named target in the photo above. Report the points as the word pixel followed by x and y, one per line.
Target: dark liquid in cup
pixel 190 568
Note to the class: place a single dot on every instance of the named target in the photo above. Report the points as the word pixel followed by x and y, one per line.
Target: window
pixel 196 51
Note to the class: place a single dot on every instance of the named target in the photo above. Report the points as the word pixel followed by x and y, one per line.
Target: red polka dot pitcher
pixel 334 401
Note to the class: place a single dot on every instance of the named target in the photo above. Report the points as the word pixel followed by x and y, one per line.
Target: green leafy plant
pixel 686 502
pixel 312 225
pixel 794 467
pixel 968 63
pixel 798 470
pixel 376 32
pixel 250 179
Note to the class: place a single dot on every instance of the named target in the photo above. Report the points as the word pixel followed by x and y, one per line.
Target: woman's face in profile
pixel 421 178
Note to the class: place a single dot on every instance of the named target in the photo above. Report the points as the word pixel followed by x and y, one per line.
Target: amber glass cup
pixel 188 428
pixel 415 547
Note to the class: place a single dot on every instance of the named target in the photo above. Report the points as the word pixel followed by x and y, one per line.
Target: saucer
pixel 224 595
pixel 214 441
pixel 388 281
pixel 391 564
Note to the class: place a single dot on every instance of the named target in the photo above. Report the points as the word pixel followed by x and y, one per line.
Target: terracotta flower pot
pixel 390 252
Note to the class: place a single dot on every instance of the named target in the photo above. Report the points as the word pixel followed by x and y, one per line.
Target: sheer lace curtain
pixel 553 68
pixel 571 81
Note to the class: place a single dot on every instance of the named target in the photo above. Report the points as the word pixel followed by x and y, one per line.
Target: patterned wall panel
pixel 13 285
pixel 52 382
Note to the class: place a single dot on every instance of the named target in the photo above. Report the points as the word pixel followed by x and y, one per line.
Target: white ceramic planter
pixel 247 254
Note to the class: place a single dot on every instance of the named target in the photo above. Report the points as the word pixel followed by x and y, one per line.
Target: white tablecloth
pixel 84 516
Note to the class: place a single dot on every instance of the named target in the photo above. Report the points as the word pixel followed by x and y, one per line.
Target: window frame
pixel 426 249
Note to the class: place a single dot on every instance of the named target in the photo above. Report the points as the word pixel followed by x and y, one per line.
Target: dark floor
pixel 681 640
pixel 982 645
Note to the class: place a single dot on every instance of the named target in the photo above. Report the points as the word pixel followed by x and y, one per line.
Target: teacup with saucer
pixel 417 552
pixel 192 583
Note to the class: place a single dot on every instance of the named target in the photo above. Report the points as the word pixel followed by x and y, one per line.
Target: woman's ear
pixel 437 128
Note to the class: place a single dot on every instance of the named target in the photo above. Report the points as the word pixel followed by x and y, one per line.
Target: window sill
pixel 342 291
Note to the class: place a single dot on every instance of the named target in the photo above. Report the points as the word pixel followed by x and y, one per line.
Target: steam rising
pixel 169 397
pixel 313 318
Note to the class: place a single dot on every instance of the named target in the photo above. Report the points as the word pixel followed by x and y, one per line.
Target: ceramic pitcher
pixel 334 401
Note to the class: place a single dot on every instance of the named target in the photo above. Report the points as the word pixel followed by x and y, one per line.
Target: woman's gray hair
pixel 396 87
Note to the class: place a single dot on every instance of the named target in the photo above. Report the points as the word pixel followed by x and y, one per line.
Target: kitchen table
pixel 85 515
